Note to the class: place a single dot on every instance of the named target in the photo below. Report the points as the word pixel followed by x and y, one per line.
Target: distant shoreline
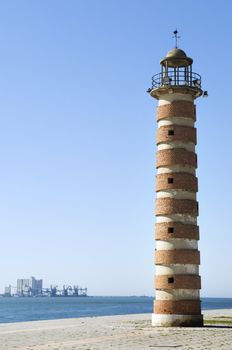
pixel 208 312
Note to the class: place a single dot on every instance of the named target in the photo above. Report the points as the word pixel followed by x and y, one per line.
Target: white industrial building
pixel 29 286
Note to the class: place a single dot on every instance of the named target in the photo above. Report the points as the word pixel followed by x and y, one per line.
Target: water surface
pixel 30 309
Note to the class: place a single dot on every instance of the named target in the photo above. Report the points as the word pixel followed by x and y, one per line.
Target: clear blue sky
pixel 77 139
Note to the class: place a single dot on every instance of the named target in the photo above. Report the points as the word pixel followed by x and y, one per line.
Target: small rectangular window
pixel 170 229
pixel 170 280
pixel 170 132
pixel 170 180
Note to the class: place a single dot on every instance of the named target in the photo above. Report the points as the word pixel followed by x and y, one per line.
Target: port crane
pixel 66 291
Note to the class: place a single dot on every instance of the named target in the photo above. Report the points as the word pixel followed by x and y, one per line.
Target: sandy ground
pixel 130 332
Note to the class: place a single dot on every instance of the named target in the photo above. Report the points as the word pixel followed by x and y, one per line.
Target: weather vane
pixel 176 36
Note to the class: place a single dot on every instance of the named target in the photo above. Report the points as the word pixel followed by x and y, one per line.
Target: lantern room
pixel 176 72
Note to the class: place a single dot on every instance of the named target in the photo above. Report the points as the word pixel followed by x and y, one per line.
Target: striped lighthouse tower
pixel 177 257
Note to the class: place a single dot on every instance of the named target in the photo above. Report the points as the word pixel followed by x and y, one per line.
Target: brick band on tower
pixel 177 257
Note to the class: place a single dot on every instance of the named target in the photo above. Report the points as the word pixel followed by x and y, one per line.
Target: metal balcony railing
pixel 176 79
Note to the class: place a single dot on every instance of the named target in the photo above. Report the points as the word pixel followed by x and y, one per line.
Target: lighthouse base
pixel 164 320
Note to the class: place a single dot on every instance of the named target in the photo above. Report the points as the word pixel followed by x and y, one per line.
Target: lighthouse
pixel 177 258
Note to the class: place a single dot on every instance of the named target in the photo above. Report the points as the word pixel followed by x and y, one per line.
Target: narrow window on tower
pixel 170 229
pixel 170 132
pixel 170 180
pixel 170 280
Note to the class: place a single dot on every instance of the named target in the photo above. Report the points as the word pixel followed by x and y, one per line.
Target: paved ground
pixel 130 332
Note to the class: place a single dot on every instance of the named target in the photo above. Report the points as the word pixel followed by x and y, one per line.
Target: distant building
pixel 22 286
pixel 7 292
pixel 29 286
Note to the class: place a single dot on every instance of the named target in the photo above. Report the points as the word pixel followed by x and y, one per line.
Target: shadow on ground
pixel 216 326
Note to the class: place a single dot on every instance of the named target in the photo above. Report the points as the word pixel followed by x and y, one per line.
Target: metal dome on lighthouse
pixel 177 257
